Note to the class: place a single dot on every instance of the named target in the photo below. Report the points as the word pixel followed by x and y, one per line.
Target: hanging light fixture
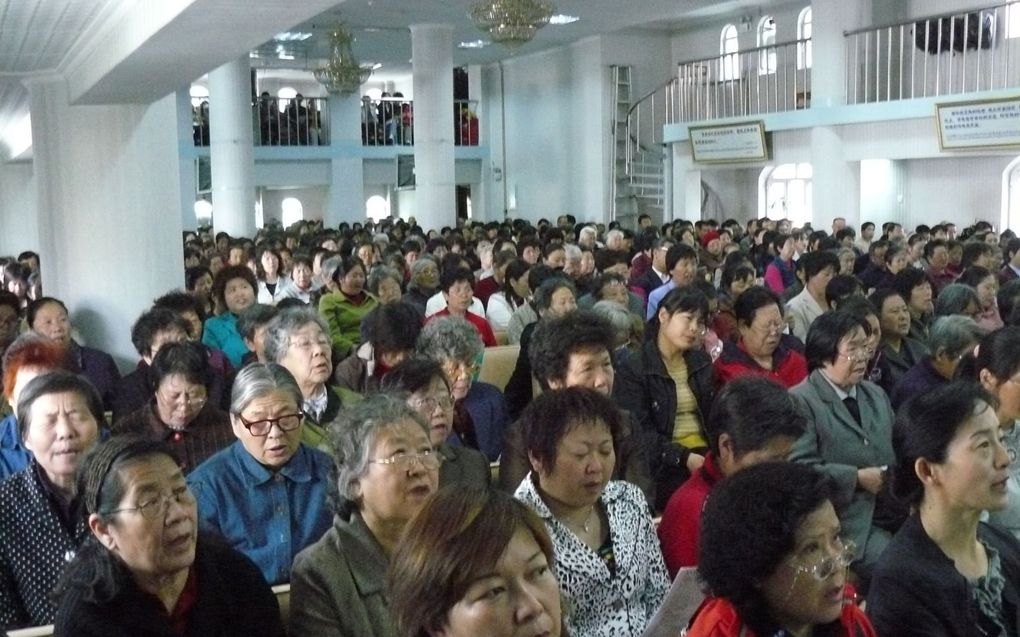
pixel 511 22
pixel 342 74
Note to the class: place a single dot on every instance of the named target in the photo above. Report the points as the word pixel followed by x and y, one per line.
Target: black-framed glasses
pixel 428 459
pixel 157 506
pixel 262 427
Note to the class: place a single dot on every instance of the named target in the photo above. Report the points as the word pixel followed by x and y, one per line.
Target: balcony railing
pixel 947 54
pixel 277 122
pixel 767 79
pixel 389 121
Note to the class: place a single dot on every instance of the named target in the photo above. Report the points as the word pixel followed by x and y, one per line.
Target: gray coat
pixel 836 445
pixel 338 585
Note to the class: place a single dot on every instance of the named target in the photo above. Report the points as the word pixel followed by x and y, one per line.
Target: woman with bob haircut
pixel 144 569
pixel 773 557
pixel 234 289
pixel 849 428
pixel 475 562
pixel 607 555
pixel 946 572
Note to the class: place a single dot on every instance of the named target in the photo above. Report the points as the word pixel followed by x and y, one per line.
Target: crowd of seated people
pixel 806 419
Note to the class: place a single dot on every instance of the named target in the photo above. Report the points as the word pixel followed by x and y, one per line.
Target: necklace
pixel 587 520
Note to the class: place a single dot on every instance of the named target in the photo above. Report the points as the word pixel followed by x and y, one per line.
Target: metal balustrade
pixel 277 122
pixel 976 50
pixel 389 121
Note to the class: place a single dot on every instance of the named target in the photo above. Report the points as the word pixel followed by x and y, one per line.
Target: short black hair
pixel 749 526
pixel 412 375
pixel 907 279
pixel 553 414
pixel 974 275
pixel 453 276
pixel 181 302
pixel 752 410
pixel 10 300
pixel 555 340
pixel 394 327
pixel 813 263
pixel 254 317
pixel 186 358
pixel 228 274
pixel 925 425
pixel 1009 293
pixel 677 252
pixel 539 274
pixel 929 248
pixel 605 259
pixel 542 296
pixel 193 274
pixel 841 287
pixel 972 251
pixel 151 323
pixel 753 299
pixel 824 335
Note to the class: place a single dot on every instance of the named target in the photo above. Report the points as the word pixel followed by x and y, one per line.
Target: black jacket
pixel 644 387
pixel 917 591
pixel 233 599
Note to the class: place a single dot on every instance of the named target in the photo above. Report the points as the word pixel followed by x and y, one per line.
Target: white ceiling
pixel 139 50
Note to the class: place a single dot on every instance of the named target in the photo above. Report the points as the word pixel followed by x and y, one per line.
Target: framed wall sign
pixel 741 142
pixel 991 123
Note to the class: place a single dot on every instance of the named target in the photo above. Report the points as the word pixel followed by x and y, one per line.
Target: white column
pixel 18 214
pixel 686 185
pixel 432 63
pixel 108 188
pixel 836 190
pixel 188 165
pixel 829 18
pixel 667 184
pixel 231 149
pixel 347 188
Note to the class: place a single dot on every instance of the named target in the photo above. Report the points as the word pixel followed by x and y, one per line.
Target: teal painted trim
pixel 840 115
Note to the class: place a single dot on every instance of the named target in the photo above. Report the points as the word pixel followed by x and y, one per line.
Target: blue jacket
pixel 221 333
pixel 268 517
pixel 13 455
pixel 488 412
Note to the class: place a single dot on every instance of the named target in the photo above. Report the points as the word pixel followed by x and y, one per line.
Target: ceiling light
pixel 560 19
pixel 474 44
pixel 289 36
pixel 342 73
pixel 511 22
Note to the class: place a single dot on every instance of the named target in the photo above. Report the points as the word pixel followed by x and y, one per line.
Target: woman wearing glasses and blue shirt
pixel 774 559
pixel 386 469
pixel 265 494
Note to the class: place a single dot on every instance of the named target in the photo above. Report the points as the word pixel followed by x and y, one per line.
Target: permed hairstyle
pixel 752 410
pixel 556 339
pixel 553 414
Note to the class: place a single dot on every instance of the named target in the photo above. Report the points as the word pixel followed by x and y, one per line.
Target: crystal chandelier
pixel 342 74
pixel 511 22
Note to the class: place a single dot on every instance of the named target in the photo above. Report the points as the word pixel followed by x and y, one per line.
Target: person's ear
pixel 536 464
pixel 988 380
pixel 102 532
pixel 927 472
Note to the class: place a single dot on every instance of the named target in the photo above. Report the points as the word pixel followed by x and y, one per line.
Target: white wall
pixel 313 201
pixel 965 189
pixel 18 210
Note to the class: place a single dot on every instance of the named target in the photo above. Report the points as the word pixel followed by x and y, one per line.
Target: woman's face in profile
pixel 518 598
pixel 974 474
pixel 806 589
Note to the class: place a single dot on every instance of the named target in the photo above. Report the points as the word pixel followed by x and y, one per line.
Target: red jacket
pixel 679 530
pixel 788 366
pixel 483 327
pixel 718 618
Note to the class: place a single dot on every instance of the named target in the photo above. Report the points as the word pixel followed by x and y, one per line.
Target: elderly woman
pixel 41 526
pixel 344 307
pixel 424 282
pixel 849 428
pixel 986 284
pixel 946 572
pixel 48 317
pixel 428 393
pixel 458 294
pixel 300 285
pixel 153 329
pixel 951 337
pixel 607 555
pixel 774 557
pixel 298 339
pixel 900 351
pixel 271 279
pixel 144 569
pixel 667 387
pixel 234 290
pixel 391 332
pixel 503 585
pixel 266 493
pixel 180 412
pixel 28 356
pixel 386 470
pixel 385 284
pixel 480 417
pixel 957 298
pixel 759 348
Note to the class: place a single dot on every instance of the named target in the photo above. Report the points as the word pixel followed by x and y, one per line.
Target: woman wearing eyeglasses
pixel 667 387
pixel 849 431
pixel 428 393
pixel 946 572
pixel 59 416
pixel 760 348
pixel 144 569
pixel 386 469
pixel 265 494
pixel 179 412
pixel 774 559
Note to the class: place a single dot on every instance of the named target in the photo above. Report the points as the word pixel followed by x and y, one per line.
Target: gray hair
pixel 419 264
pixel 954 335
pixel 285 323
pixel 251 318
pixel 352 437
pixel 954 299
pixel 450 338
pixel 259 379
pixel 613 234
pixel 329 266
pixel 379 274
pixel 619 318
pixel 573 251
pixel 587 230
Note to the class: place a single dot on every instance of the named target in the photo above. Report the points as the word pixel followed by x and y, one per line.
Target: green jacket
pixel 344 319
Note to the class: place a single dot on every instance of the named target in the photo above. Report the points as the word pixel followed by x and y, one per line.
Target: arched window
pixel 766 38
pixel 729 47
pixel 784 192
pixel 1011 195
pixel 377 208
pixel 291 211
pixel 804 33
